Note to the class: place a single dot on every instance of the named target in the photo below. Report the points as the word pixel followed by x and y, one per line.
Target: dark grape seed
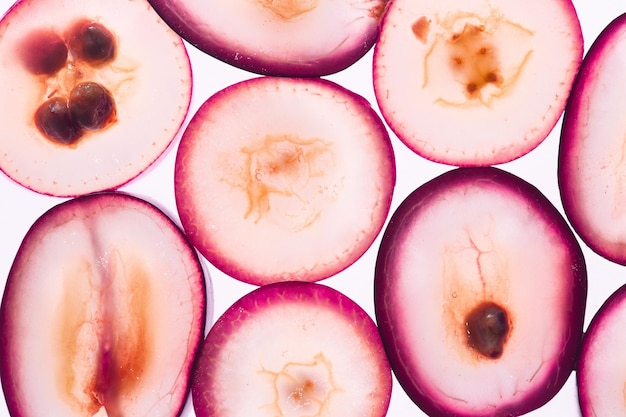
pixel 91 105
pixel 43 52
pixel 92 42
pixel 487 329
pixel 53 119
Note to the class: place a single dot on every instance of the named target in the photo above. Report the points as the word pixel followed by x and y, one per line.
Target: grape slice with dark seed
pixel 480 291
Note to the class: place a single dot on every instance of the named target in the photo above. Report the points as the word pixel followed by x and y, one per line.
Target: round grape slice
pixel 475 83
pixel 150 86
pixel 103 312
pixel 280 179
pixel 305 38
pixel 600 372
pixel 480 292
pixel 591 163
pixel 292 349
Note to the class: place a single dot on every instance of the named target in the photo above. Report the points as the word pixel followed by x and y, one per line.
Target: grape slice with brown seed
pixel 149 89
pixel 103 312
pixel 475 83
pixel 480 293
pixel 281 179
pixel 293 349
pixel 302 38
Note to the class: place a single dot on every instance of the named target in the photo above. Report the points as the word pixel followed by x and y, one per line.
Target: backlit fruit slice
pixel 601 371
pixel 86 105
pixel 475 83
pixel 591 153
pixel 303 38
pixel 103 312
pixel 480 293
pixel 292 349
pixel 280 179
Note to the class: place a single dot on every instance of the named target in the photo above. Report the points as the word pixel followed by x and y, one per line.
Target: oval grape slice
pixel 44 55
pixel 305 38
pixel 475 83
pixel 103 312
pixel 591 163
pixel 292 349
pixel 280 179
pixel 480 293
pixel 600 374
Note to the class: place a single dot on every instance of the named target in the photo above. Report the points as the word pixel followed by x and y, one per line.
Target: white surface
pixel 20 207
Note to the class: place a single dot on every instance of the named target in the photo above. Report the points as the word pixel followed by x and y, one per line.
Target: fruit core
pixel 477 67
pixel 288 180
pixel 487 329
pixel 289 9
pixel 303 389
pixel 104 338
pixel 476 290
pixel 72 103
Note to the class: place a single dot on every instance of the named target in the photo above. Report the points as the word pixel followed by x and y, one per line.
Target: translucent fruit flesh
pixel 450 81
pixel 303 171
pixel 303 349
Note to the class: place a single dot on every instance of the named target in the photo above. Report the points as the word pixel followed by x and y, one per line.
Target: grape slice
pixel 475 83
pixel 591 163
pixel 292 349
pixel 480 293
pixel 600 373
pixel 146 70
pixel 103 312
pixel 304 38
pixel 281 179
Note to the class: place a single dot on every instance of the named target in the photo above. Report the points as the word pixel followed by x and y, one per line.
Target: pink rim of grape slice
pixel 591 163
pixel 293 349
pixel 151 88
pixel 600 372
pixel 285 37
pixel 475 83
pixel 484 316
pixel 103 312
pixel 280 179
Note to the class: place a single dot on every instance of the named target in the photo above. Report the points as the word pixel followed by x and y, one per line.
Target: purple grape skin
pixel 574 115
pixel 397 350
pixel 177 19
pixel 616 301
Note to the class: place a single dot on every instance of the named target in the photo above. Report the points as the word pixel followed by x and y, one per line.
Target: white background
pixel 19 207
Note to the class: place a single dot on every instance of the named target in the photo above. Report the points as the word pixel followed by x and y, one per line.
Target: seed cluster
pixel 89 105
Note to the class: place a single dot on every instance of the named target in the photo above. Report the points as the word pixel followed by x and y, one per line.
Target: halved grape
pixel 475 83
pixel 480 293
pixel 48 48
pixel 301 38
pixel 280 179
pixel 103 312
pixel 591 153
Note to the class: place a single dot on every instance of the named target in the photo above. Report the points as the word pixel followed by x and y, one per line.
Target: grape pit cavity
pixel 303 389
pixel 63 60
pixel 289 179
pixel 465 61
